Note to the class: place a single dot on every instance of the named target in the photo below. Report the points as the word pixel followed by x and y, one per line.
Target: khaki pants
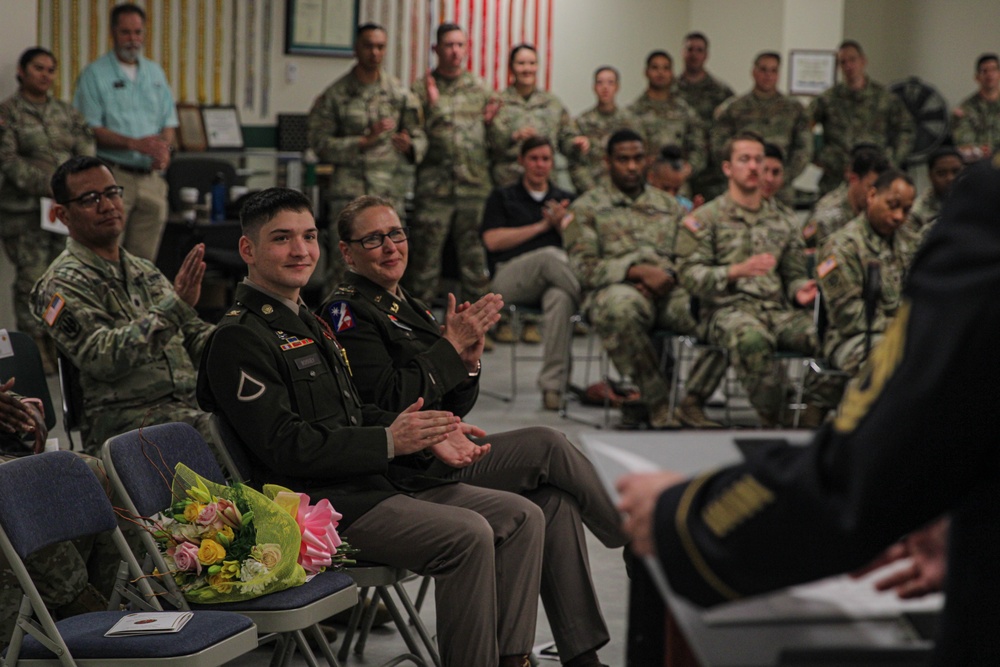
pixel 146 209
pixel 542 465
pixel 543 277
pixel 484 550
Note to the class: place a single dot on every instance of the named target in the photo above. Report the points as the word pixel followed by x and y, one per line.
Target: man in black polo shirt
pixel 522 231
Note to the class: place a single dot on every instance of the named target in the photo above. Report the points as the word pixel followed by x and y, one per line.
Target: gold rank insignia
pixel 234 312
pixel 267 309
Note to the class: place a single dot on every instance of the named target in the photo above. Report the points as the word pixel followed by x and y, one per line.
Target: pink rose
pixel 186 558
pixel 208 514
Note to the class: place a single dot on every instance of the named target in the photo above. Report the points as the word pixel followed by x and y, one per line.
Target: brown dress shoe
pixel 812 417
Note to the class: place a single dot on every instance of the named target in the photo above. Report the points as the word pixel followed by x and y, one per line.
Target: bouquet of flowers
pixel 232 543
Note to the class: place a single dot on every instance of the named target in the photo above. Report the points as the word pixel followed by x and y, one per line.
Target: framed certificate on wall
pixel 222 128
pixel 811 72
pixel 321 27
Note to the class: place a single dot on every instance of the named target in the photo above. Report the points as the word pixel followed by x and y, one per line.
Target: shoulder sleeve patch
pixel 692 224
pixel 826 266
pixel 341 317
pixel 55 307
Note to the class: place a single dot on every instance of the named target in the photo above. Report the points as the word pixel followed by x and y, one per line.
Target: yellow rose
pixel 227 533
pixel 210 552
pixel 220 583
pixel 192 511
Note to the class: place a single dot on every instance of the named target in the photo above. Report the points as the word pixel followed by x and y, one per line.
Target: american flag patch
pixel 54 308
pixel 293 342
pixel 828 265
pixel 692 224
pixel 341 317
pixel 809 230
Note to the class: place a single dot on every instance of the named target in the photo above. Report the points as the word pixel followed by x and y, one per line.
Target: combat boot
pixel 530 334
pixel 691 413
pixel 661 417
pixel 504 333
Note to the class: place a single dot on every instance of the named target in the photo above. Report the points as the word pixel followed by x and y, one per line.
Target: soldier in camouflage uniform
pixel 839 206
pixel 621 246
pixel 597 124
pixel 859 110
pixel 842 272
pixel 664 118
pixel 369 127
pixel 453 180
pixel 943 167
pixel 37 134
pixel 745 260
pixel 781 120
pixel 525 111
pixel 976 122
pixel 704 93
pixel 135 338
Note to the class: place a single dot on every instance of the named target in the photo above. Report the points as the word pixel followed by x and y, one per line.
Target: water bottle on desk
pixel 219 191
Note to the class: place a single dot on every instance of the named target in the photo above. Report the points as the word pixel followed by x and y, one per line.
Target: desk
pixel 768 630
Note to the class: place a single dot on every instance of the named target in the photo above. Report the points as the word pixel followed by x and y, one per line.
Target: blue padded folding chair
pixel 368 576
pixel 54 497
pixel 141 466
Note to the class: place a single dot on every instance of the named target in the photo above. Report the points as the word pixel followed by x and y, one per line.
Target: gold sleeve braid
pixel 684 533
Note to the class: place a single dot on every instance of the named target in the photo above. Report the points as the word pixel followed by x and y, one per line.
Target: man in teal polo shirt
pixel 127 101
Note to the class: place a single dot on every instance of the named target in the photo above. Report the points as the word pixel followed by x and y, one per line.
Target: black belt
pixel 130 169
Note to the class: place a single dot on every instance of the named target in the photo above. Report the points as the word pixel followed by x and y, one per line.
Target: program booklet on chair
pixel 149 623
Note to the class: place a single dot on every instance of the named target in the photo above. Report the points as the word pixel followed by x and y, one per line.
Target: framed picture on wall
pixel 190 129
pixel 320 27
pixel 222 128
pixel 811 72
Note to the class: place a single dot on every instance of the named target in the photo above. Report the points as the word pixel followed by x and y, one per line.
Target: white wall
pixel 591 33
pixel 737 31
pixel 17 33
pixel 938 41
